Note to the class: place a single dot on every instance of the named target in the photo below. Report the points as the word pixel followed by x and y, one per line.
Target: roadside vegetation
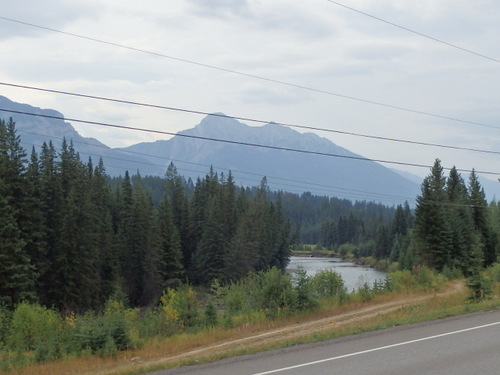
pixel 35 339
pixel 96 271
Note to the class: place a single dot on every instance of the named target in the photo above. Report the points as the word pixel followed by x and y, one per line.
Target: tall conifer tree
pixel 460 216
pixel 480 217
pixel 432 225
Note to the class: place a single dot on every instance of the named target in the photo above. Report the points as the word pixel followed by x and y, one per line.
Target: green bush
pixel 150 324
pixel 328 284
pixel 274 293
pixel 365 292
pixel 348 250
pixel 180 308
pixel 33 326
pixel 210 314
pixel 452 273
pixel 236 297
pixel 493 272
pixel 104 334
pixel 419 278
pixel 304 296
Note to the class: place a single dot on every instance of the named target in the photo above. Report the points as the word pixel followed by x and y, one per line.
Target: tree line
pixel 454 225
pixel 71 237
pixel 70 241
pixel 452 228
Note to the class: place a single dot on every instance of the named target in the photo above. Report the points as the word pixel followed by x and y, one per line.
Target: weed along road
pixel 463 345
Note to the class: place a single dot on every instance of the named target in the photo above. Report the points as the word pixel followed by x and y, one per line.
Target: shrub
pixel 452 273
pixel 236 297
pixel 210 314
pixel 493 272
pixel 180 308
pixel 305 299
pixel 33 326
pixel 274 292
pixel 151 324
pixel 328 284
pixel 365 292
pixel 402 280
pixel 419 278
pixel 104 334
pixel 347 250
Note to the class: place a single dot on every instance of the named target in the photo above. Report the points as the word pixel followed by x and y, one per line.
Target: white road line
pixel 376 349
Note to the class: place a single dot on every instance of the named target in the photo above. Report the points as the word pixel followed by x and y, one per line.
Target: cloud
pixel 220 8
pixel 55 14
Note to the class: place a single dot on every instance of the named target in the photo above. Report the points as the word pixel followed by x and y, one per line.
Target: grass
pixel 152 356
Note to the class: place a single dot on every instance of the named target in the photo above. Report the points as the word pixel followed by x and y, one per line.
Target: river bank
pixel 353 275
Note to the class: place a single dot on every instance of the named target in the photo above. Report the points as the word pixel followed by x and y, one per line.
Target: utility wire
pixel 240 143
pixel 348 193
pixel 80 95
pixel 415 32
pixel 232 71
pixel 329 188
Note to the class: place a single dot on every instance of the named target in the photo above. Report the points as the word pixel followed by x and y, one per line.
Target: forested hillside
pixel 71 237
pixel 70 241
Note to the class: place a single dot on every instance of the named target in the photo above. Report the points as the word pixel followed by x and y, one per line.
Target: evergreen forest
pixel 72 237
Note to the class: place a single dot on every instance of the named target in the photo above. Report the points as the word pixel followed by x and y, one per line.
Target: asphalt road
pixel 465 345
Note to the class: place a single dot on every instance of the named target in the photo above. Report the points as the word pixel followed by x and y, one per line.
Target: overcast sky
pixel 315 44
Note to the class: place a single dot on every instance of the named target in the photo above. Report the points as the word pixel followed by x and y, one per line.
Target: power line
pixel 338 190
pixel 304 127
pixel 350 193
pixel 248 75
pixel 240 143
pixel 415 32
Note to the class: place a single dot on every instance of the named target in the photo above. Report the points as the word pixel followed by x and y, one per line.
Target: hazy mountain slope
pixel 340 175
pixel 286 170
pixel 36 130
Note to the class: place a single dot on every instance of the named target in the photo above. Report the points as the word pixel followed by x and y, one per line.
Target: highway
pixel 464 345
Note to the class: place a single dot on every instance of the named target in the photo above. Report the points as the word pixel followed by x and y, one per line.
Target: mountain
pixel 35 130
pixel 335 173
pixel 340 175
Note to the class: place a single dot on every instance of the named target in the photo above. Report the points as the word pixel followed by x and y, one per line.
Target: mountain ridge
pixel 339 169
pixel 338 174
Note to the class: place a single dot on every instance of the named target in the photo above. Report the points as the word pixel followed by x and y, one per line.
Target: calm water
pixel 352 274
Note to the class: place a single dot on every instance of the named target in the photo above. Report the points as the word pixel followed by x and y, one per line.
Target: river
pixel 353 275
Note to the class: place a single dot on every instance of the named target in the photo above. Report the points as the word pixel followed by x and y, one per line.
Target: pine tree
pixel 128 243
pixel 240 257
pixel 281 252
pixel 51 207
pixel 16 271
pixel 17 274
pixel 107 262
pixel 152 281
pixel 34 224
pixel 210 253
pixel 479 286
pixel 399 224
pixel 173 270
pixel 139 245
pixel 228 207
pixel 480 217
pixel 382 242
pixel 432 225
pixel 174 187
pixel 460 215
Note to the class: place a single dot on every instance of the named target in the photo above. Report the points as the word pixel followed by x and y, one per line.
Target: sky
pixel 310 63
